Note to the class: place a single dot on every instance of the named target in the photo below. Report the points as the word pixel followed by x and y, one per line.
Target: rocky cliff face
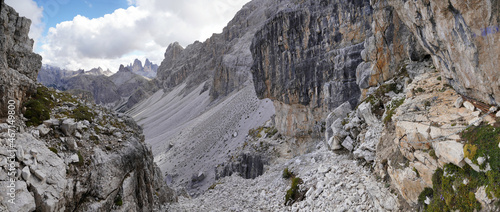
pixel 306 59
pixel 462 38
pixel 67 154
pixel 18 64
pixel 223 59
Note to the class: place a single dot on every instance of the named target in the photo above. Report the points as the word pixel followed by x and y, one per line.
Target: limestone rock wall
pixel 306 58
pixel 18 64
pixel 463 39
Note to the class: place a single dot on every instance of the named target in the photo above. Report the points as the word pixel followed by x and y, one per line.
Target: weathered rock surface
pixel 18 64
pixel 462 38
pixel 305 64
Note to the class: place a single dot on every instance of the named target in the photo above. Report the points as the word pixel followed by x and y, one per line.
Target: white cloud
pixel 29 9
pixel 140 31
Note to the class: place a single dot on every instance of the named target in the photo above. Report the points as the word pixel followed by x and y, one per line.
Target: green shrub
pixel 255 132
pixel 287 174
pixel 271 131
pixel 432 153
pixel 80 159
pixel 36 112
pixel 293 194
pixel 118 201
pixel 392 107
pixel 420 90
pixel 427 192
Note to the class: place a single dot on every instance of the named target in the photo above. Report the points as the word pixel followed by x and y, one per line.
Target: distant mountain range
pixel 52 76
pixel 103 86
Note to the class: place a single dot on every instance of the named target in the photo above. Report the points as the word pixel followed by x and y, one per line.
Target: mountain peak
pixel 148 70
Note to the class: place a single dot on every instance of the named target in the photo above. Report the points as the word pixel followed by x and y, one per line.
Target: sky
pixel 84 34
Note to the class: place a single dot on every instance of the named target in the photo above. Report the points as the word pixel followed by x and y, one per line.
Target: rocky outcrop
pixel 247 166
pixel 387 48
pixel 83 165
pixel 462 38
pixel 306 58
pixel 18 64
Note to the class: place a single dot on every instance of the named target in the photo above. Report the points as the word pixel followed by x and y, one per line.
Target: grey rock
pixel 39 174
pixel 20 153
pixel 4 127
pixel 480 160
pixel 74 158
pixel 363 74
pixel 23 198
pixel 68 126
pixel 51 122
pixel 26 174
pixel 348 143
pixel 469 106
pixel 78 135
pixel 458 103
pixel 70 141
pixel 468 63
pixel 365 112
pixel 43 129
pixel 18 64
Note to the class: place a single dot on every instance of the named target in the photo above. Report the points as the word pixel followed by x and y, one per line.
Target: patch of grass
pixel 450 192
pixel 439 78
pixel 213 186
pixel 80 159
pixel 293 194
pixel 97 130
pixel 416 171
pixel 470 151
pixel 118 201
pixel 54 150
pixel 255 132
pixel 420 90
pixel 81 113
pixel 38 107
pixel 270 131
pixel 392 107
pixel 485 138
